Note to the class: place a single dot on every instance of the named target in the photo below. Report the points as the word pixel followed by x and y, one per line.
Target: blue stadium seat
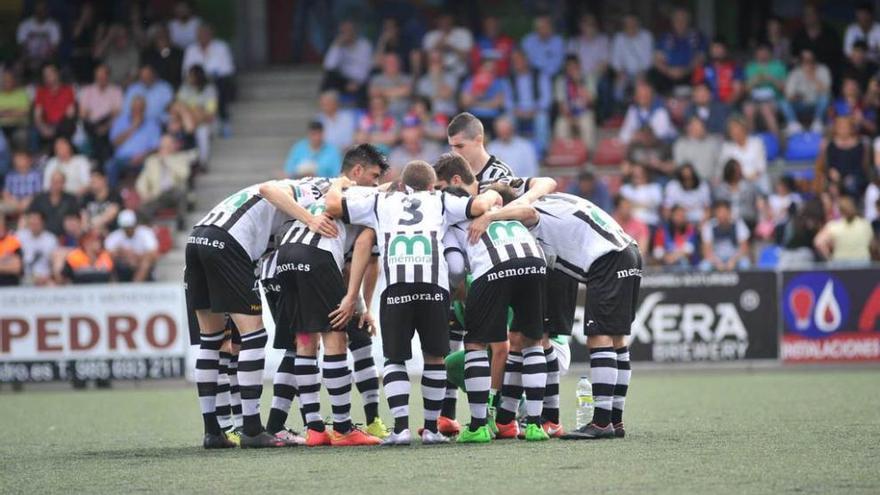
pixel 803 146
pixel 769 256
pixel 771 144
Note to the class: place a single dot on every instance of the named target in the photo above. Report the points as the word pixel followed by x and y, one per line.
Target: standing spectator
pixel 494 43
pixel 134 249
pixel 37 247
pixel 378 127
pixel 698 148
pixel 678 53
pixel 631 54
pixel 845 160
pixel 644 196
pixel 817 37
pixel 54 106
pixel 117 51
pixel 864 29
pixel 413 146
pixel 15 107
pixel 85 35
pixel 347 64
pixel 21 184
pixel 11 265
pixel 100 205
pixel 339 124
pixel 134 137
pixel 76 168
pixel 164 57
pixel 54 203
pixel 748 151
pixel 513 149
pixel 392 84
pixel 858 66
pixel 722 74
pixel 807 90
pixel 575 93
pixel 587 186
pixel 531 98
pixel 776 41
pixel 163 181
pixel 646 110
pixel 197 99
pixel 688 192
pixel 544 48
pixel 452 41
pixel 624 214
pixel 591 46
pixel 725 241
pixel 484 94
pixel 184 26
pixel 847 239
pixel 851 104
pixel 100 103
pixel 214 56
pixel 38 36
pixel 313 156
pixel 765 83
pixel 711 111
pixel 438 85
pixel 742 197
pixel 88 264
pixel 675 243
pixel 157 94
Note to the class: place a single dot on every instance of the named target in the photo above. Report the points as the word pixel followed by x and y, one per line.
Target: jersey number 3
pixel 411 207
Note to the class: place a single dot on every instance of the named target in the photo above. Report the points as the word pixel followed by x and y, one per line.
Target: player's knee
pixel 247 323
pixel 594 341
pixel 334 342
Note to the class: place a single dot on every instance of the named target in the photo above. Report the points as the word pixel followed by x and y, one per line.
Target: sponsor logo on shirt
pixel 407 244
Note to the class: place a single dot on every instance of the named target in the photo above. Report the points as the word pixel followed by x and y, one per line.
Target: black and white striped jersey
pixel 251 220
pixel 497 171
pixel 576 233
pixel 503 241
pixel 409 231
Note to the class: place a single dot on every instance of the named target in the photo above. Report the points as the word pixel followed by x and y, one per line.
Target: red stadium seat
pixel 610 151
pixel 566 153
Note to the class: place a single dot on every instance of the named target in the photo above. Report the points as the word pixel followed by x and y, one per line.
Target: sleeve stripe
pixel 467 211
pixel 345 216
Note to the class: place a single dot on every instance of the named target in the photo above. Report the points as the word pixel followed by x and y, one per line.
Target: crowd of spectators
pixel 106 118
pixel 720 158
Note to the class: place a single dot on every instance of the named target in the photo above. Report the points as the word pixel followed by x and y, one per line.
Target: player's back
pixel 503 241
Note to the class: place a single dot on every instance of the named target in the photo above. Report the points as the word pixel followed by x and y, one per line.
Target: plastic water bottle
pixel 584 402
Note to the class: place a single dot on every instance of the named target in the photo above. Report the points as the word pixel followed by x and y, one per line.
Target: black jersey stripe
pixel 490 248
pixel 511 251
pixel 401 273
pixel 240 211
pixel 435 259
pixel 579 272
pixel 385 259
pixel 418 274
pixel 315 240
pixel 608 236
pixel 527 250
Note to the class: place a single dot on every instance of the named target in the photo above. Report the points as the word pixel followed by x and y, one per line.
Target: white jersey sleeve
pixel 360 208
pixel 455 209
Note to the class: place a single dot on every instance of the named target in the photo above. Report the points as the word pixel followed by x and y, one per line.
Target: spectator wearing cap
pixel 864 29
pixel 378 126
pixel 163 181
pixel 575 93
pixel 587 186
pixel 392 84
pixel 484 94
pixel 100 103
pixel 646 110
pixel 54 203
pixel 678 53
pixel 807 90
pixel 90 263
pixel 38 36
pixel 313 156
pixel 21 184
pixel 514 150
pixel 711 111
pixel 134 137
pixel 215 57
pixel 54 106
pixel 531 95
pixel 11 265
pixel 157 94
pixel 725 241
pixel 134 249
pixel 117 51
pixel 453 42
pixel 492 42
pixel 765 83
pixel 100 204
pixel 76 168
pixel 413 146
pixel 339 124
pixel 347 64
pixel 37 247
pixel 439 85
pixel 544 49
pixel 721 73
pixel 699 148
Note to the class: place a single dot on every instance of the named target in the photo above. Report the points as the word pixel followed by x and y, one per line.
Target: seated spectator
pixel 587 186
pixel 646 110
pixel 163 181
pixel 454 42
pixel 484 94
pixel 741 196
pixel 392 40
pixel 11 264
pixel 688 192
pixel 644 196
pixel 676 242
pixel 183 131
pixel 544 49
pixel 677 54
pixel 711 111
pixel 434 124
pixel 313 156
pixel 164 57
pixel 847 239
pixel 54 203
pixel 72 226
pixel 775 40
pixel 88 264
pixel 575 93
pixel 392 84
pixel 781 206
pixel 807 90
pixel 439 85
pixel 698 148
pixel 798 235
pixel 216 59
pixel 850 104
pixel 38 38
pixel 725 241
pixel 818 37
pixel 765 83
pixel 494 43
pixel 37 248
pixel 100 204
pixel 54 107
pixel 748 151
pixel 858 66
pixel 721 73
pixel 15 107
pixel 75 168
pixel 119 54
pixel 339 124
pixel 864 30
pixel 157 94
pixel 637 229
pixel 413 146
pixel 592 47
pixel 197 99
pixel 183 28
pixel 646 150
pixel 845 160
pixel 134 249
pixel 134 137
pixel 631 54
pixel 515 150
pixel 347 64
pixel 378 127
pixel 100 103
pixel 531 97
pixel 21 184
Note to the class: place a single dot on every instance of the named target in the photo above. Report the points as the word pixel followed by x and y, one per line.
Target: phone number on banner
pixel 93 369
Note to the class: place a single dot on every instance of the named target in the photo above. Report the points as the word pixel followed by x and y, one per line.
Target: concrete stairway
pixel 272 111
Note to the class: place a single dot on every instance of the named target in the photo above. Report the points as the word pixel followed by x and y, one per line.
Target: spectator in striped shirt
pixel 21 184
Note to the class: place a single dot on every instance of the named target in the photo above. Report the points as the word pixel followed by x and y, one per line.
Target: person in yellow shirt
pixel 847 239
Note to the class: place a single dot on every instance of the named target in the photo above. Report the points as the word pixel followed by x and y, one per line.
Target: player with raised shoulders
pixel 409 227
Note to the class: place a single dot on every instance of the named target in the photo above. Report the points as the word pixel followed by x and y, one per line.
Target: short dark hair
pixel 467 123
pixel 505 191
pixel 721 203
pixel 364 154
pixel 860 45
pixel 419 175
pixel 38 213
pixel 730 170
pixel 451 164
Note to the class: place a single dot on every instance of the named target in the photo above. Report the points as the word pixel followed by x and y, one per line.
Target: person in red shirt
pixel 492 42
pixel 723 76
pixel 54 107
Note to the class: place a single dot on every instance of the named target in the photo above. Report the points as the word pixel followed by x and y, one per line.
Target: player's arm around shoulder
pixel 282 197
pixel 536 188
pixel 523 212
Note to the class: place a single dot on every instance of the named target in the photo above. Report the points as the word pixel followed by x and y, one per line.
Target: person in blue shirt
pixel 485 94
pixel 677 53
pixel 134 137
pixel 531 93
pixel 157 93
pixel 312 156
pixel 592 189
pixel 544 48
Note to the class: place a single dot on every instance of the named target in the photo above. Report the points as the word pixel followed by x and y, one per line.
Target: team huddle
pixel 483 266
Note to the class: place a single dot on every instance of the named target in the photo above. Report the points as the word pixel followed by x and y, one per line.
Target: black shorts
pixel 519 284
pixel 560 303
pixel 219 275
pixel 407 308
pixel 311 287
pixel 613 292
pixel 284 338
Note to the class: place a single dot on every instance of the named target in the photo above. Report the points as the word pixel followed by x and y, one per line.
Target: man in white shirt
pixel 513 149
pixel 183 28
pixel 347 64
pixel 864 29
pixel 37 246
pixel 648 111
pixel 38 37
pixel 214 56
pixel 134 248
pixel 631 54
pixel 339 124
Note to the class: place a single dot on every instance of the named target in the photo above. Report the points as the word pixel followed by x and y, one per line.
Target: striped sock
pixel 337 381
pixel 450 402
pixel 224 409
pixel 207 366
pixel 511 388
pixel 433 390
pixel 624 373
pixel 308 381
pixel 603 372
pixel 477 380
pixel 234 392
pixel 396 383
pixel 551 391
pixel 534 380
pixel 283 393
pixel 366 378
pixel 251 363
